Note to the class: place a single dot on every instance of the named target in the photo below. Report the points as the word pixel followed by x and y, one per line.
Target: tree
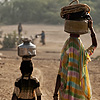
pixel 40 11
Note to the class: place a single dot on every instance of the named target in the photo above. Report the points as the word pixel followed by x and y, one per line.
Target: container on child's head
pixel 26 49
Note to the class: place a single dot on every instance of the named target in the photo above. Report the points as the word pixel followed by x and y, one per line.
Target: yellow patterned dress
pixel 75 83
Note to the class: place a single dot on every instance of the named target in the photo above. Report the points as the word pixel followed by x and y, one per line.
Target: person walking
pixel 19 33
pixel 26 87
pixel 42 37
pixel 20 29
pixel 73 81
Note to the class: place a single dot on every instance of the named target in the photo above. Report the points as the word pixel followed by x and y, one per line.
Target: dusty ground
pixel 46 62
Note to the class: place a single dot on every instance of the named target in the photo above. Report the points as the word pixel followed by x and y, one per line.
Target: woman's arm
pixel 93 37
pixel 58 83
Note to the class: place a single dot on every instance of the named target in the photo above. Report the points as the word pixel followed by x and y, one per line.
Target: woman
pixel 73 79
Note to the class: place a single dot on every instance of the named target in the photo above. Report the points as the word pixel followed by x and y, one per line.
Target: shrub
pixel 9 40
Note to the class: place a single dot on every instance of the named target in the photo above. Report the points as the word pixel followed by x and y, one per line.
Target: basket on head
pixel 76 27
pixel 75 16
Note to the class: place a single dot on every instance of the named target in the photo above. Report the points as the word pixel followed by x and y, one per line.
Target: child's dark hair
pixel 26 67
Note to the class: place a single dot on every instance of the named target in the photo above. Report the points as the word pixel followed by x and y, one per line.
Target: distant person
pixel 26 86
pixel 42 37
pixel 19 29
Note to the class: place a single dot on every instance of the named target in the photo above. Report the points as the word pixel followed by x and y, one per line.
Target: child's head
pixel 26 67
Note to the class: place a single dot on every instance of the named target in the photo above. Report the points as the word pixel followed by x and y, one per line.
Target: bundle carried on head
pixel 76 11
pixel 75 17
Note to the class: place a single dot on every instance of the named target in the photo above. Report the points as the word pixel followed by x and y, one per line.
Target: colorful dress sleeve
pixel 90 50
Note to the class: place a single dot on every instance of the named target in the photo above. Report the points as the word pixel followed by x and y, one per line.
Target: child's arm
pixel 38 97
pixel 38 93
pixel 14 97
pixel 16 91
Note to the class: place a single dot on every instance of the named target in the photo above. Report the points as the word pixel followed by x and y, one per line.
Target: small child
pixel 26 86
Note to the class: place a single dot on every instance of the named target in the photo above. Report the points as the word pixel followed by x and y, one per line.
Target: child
pixel 26 86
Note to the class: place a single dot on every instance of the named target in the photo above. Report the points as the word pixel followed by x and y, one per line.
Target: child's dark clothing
pixel 26 88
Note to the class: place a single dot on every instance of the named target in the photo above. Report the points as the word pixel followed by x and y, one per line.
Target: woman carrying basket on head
pixel 73 79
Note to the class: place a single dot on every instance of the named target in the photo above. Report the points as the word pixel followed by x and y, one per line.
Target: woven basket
pixel 75 8
pixel 76 27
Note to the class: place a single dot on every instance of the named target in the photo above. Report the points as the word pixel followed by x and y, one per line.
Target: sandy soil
pixel 46 62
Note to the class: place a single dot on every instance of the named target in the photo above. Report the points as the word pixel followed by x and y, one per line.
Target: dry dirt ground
pixel 46 63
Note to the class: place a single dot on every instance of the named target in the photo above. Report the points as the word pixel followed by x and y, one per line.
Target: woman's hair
pixel 26 67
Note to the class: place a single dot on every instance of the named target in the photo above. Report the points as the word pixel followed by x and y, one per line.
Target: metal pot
pixel 26 49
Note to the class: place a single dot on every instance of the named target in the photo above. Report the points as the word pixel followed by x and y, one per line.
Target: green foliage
pixel 40 11
pixel 9 40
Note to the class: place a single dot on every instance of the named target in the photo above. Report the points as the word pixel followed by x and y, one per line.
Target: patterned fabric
pixel 26 88
pixel 75 84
